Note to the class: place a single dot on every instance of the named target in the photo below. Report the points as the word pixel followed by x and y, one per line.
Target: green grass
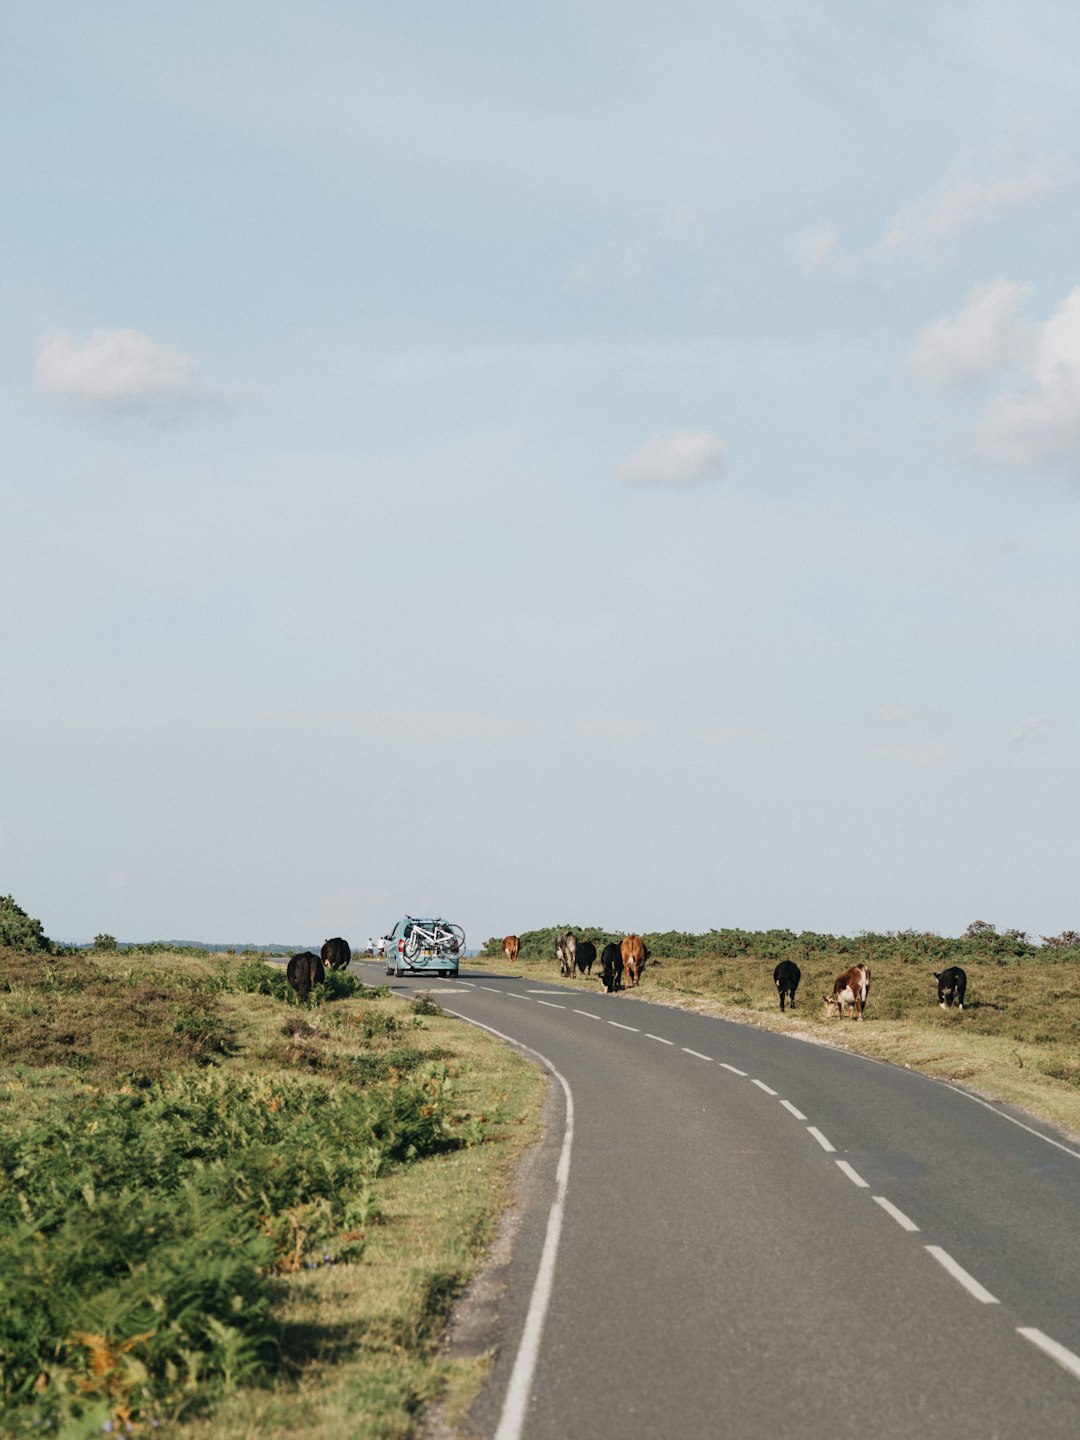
pixel 211 1194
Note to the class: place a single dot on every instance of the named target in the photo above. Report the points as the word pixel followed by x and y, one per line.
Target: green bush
pixel 18 930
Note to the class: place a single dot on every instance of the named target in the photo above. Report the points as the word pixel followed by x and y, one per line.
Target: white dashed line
pixel 543 992
pixel 624 1027
pixel 551 1004
pixel 725 1066
pixel 588 1014
pixel 898 1215
pixel 790 1108
pixel 515 996
pixel 762 1086
pixel 820 1138
pixel 1065 1358
pixel 852 1174
pixel 494 989
pixel 961 1276
pixel 696 1054
pixel 658 1037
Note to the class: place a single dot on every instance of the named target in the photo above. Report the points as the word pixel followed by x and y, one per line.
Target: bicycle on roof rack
pixel 424 944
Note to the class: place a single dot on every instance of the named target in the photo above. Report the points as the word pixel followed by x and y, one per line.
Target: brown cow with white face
pixel 634 953
pixel 851 988
pixel 511 946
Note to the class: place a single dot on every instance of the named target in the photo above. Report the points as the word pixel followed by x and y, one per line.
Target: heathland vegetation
pixel 1017 1039
pixel 222 1212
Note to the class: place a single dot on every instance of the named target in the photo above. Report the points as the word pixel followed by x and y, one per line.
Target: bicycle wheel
pixel 412 945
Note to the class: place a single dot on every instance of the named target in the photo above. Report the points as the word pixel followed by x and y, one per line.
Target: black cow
pixel 786 978
pixel 584 956
pixel 305 971
pixel 951 985
pixel 336 953
pixel 611 968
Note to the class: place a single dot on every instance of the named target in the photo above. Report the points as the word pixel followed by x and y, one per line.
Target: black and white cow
pixel 786 978
pixel 951 985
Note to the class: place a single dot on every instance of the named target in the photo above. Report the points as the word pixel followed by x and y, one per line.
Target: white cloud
pixel 955 204
pixel 1041 421
pixel 1024 728
pixel 677 460
pixel 959 204
pixel 120 372
pixel 985 334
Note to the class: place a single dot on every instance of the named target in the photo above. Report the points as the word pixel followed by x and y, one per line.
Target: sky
pixel 580 463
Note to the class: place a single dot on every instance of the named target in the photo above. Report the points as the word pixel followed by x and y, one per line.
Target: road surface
pixel 734 1233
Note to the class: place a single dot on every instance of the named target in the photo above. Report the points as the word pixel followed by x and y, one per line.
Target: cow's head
pixel 832 1005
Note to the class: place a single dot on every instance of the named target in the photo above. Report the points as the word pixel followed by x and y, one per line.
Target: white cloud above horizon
pixel 121 372
pixel 986 334
pixel 679 459
pixel 1040 421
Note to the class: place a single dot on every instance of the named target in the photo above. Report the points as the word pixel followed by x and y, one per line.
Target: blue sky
pixel 608 464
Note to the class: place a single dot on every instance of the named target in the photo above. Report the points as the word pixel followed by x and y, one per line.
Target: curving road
pixel 732 1233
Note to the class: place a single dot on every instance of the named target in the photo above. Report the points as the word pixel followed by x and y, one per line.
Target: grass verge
pixel 226 1214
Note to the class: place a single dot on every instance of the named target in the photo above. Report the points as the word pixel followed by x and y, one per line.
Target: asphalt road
pixel 730 1232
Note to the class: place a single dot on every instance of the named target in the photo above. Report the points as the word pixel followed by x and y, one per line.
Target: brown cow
pixel 336 953
pixel 634 954
pixel 511 946
pixel 850 988
pixel 305 971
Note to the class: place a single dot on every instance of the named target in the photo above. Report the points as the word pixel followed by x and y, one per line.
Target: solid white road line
pixel 551 1004
pixel 788 1106
pixel 697 1054
pixel 820 1138
pixel 516 1401
pixel 898 1215
pixel 1012 1119
pixel 658 1037
pixel 853 1175
pixel 970 1284
pixel 725 1066
pixel 762 1086
pixel 624 1027
pixel 588 1014
pixel 1065 1358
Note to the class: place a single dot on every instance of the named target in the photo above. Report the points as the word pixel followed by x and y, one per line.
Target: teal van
pixel 431 946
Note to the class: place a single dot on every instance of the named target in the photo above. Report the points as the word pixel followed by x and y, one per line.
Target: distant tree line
pixel 980 941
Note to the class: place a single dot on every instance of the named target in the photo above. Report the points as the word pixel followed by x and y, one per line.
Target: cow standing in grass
pixel 786 978
pixel 634 954
pixel 951 986
pixel 851 988
pixel 584 956
pixel 305 971
pixel 611 968
pixel 566 952
pixel 511 946
pixel 336 953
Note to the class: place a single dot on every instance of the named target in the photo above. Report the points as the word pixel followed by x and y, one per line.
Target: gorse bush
pixel 140 1234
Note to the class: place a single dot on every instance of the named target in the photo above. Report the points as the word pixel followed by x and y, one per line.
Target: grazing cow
pixel 951 985
pixel 511 946
pixel 611 968
pixel 584 956
pixel 566 952
pixel 786 978
pixel 336 953
pixel 634 954
pixel 305 971
pixel 850 988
